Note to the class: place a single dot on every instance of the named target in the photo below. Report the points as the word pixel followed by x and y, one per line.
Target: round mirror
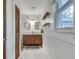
pixel 27 25
pixel 37 25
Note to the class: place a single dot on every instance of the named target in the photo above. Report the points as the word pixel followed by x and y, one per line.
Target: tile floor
pixel 35 53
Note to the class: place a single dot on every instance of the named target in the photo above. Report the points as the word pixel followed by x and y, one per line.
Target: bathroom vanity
pixel 32 40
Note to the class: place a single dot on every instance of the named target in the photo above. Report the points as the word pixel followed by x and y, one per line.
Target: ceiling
pixel 33 7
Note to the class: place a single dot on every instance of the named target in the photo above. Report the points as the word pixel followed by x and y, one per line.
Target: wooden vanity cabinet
pixel 32 40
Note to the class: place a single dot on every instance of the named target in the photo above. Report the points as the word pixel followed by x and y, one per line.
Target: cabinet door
pixel 17 29
pixel 37 39
pixel 26 39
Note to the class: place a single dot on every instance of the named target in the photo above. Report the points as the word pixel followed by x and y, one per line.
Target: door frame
pixel 4 29
pixel 17 31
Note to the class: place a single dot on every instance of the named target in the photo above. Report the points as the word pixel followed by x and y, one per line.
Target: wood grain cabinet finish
pixel 31 40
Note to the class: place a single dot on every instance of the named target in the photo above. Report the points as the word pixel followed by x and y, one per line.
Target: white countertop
pixel 36 33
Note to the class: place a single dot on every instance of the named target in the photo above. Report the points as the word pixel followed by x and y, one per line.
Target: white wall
pixel 10 30
pixel 32 22
pixel 40 6
pixel 59 45
pixel 32 19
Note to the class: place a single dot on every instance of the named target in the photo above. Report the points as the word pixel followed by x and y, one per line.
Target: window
pixel 65 15
pixel 66 18
pixel 62 2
